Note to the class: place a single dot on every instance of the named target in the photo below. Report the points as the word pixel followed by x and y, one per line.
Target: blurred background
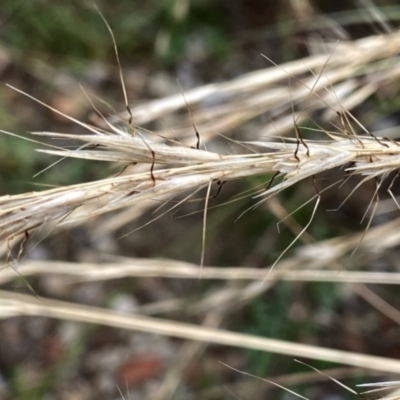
pixel 53 49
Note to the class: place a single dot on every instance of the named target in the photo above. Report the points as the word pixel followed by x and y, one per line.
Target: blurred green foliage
pixel 74 28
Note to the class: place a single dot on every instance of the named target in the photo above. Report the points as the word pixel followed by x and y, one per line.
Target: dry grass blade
pixel 267 381
pixel 381 387
pixel 369 156
pixel 249 95
pixel 12 304
pixel 139 268
pixel 299 378
pixel 30 210
pixel 190 168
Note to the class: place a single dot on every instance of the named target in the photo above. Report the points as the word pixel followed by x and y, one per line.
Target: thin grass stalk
pixel 13 304
pixel 145 268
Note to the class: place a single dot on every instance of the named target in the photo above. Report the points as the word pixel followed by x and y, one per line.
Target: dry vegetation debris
pixel 337 78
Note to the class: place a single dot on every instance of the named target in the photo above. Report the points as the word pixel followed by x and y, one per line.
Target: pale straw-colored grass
pixel 369 157
pixel 190 169
pixel 327 81
pixel 145 268
pixel 340 65
pixel 14 304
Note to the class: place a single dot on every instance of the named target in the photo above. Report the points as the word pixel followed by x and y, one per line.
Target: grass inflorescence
pixel 158 168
